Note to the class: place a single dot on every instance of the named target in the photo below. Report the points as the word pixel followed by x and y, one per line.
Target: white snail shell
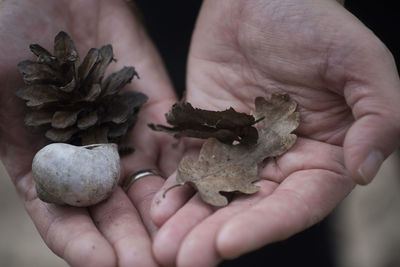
pixel 77 176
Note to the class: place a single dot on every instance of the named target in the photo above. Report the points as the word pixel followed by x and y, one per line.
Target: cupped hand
pixel 116 231
pixel 347 89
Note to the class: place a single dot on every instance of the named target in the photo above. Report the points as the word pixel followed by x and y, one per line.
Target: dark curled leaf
pixel 227 126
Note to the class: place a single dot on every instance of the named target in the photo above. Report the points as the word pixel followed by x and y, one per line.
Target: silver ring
pixel 137 176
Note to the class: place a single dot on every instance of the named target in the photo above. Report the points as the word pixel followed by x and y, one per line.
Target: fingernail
pixel 370 166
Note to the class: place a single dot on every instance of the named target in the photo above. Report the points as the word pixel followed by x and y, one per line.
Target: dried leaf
pixel 280 119
pixel 229 168
pixel 220 168
pixel 227 126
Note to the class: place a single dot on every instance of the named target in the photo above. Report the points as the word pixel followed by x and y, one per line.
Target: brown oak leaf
pixel 229 168
pixel 227 126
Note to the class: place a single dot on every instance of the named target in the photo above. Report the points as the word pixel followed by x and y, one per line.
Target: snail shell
pixel 77 176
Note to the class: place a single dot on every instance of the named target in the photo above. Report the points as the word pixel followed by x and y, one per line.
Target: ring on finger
pixel 137 176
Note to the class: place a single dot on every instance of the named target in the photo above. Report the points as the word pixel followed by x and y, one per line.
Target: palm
pixel 247 49
pixel 71 233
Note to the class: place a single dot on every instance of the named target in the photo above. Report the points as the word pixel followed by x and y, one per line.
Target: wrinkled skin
pixel 347 88
pixel 117 231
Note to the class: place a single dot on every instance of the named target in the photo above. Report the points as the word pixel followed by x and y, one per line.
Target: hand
pixel 119 229
pixel 347 89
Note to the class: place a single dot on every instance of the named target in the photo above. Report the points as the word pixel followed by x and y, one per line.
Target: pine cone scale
pixel 88 120
pixel 38 118
pixel 106 57
pixel 93 93
pixel 87 66
pixel 61 135
pixel 43 55
pixel 64 119
pixel 38 95
pixel 95 136
pixel 39 73
pixel 64 48
pixel 113 84
pixel 69 87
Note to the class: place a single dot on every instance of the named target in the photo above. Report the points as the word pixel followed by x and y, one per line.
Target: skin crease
pixel 117 231
pixel 347 88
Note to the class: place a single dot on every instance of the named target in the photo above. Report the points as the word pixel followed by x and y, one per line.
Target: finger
pixel 152 152
pixel 69 232
pixel 122 225
pixel 141 194
pixel 169 237
pixel 305 154
pixel 166 203
pixel 303 199
pixel 374 99
pixel 199 246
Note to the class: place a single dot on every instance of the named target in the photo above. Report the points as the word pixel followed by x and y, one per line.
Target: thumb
pixel 375 133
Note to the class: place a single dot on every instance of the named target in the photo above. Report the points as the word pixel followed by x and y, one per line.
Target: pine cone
pixel 72 102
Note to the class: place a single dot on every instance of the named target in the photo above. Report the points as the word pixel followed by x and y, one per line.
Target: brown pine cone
pixel 70 101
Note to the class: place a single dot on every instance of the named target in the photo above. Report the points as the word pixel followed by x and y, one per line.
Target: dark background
pixel 170 24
